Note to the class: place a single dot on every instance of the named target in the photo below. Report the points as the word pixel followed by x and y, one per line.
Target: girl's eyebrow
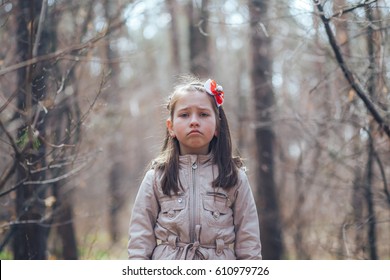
pixel 197 107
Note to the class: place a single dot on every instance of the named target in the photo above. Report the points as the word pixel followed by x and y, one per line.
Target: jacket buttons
pixel 216 214
pixel 180 200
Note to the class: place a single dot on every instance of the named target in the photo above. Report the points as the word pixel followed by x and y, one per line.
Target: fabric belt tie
pixel 190 250
pixel 194 249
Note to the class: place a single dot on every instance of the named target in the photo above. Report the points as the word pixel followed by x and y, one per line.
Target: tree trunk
pixel 343 89
pixel 199 42
pixel 61 119
pixel 263 98
pixel 174 32
pixel 30 237
pixel 371 88
pixel 117 169
pixel 63 218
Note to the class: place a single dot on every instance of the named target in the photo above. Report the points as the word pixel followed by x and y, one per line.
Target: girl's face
pixel 193 122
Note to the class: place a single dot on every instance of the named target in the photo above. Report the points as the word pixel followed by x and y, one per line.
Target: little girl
pixel 195 202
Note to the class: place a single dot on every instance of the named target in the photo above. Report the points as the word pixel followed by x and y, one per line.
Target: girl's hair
pixel 220 147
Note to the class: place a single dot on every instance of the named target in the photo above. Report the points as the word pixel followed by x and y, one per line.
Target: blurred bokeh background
pixel 83 86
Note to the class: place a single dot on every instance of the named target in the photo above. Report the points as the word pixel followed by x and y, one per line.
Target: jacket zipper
pixel 194 203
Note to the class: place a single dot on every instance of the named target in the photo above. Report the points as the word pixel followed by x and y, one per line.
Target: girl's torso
pixel 198 222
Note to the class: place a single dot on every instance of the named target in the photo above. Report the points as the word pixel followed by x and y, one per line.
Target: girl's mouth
pixel 194 132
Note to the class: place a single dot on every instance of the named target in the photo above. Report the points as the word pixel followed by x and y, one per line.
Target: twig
pixel 348 10
pixel 59 178
pixel 49 56
pixel 55 55
pixel 199 25
pixel 49 181
pixel 345 239
pixel 39 31
pixel 382 170
pixel 13 95
pixel 18 157
pixel 381 167
pixel 11 139
pixel 354 83
pixel 7 174
pixel 17 185
pixel 40 222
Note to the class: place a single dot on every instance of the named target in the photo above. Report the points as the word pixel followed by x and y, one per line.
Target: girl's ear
pixel 170 128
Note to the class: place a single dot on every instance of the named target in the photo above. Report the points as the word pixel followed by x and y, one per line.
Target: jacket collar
pixel 199 159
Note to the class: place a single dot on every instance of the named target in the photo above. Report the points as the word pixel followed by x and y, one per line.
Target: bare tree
pixel 30 236
pixel 174 34
pixel 263 96
pixel 367 89
pixel 45 147
pixel 322 110
pixel 199 40
pixel 349 75
pixel 372 47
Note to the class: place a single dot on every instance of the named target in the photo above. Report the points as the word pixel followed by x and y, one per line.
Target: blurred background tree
pixel 83 88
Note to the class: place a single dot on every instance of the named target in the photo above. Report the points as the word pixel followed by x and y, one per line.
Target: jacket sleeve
pixel 142 240
pixel 247 244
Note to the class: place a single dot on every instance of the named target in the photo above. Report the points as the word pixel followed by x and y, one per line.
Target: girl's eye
pixel 204 114
pixel 183 115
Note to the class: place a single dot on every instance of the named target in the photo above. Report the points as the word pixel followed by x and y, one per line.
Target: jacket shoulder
pixel 149 175
pixel 243 180
pixel 149 180
pixel 242 173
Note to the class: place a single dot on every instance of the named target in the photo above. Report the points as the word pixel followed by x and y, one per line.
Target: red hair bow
pixel 215 90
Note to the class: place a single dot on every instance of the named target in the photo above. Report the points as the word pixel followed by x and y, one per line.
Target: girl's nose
pixel 194 120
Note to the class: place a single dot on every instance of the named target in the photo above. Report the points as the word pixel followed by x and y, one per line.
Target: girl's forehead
pixel 194 98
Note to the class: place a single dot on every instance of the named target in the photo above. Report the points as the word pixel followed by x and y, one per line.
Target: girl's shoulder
pixel 155 166
pixel 242 176
pixel 154 173
pixel 149 177
pixel 151 181
pixel 150 173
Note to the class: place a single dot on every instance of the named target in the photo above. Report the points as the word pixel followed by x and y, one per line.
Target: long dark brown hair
pixel 220 147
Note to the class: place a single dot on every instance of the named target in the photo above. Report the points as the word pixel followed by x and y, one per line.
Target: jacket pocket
pixel 171 209
pixel 217 211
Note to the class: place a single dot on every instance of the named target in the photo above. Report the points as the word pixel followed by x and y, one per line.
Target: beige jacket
pixel 201 222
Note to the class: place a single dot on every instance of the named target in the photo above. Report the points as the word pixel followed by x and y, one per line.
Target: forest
pixel 83 92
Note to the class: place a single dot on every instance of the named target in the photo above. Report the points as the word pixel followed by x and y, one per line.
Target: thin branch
pixel 381 168
pixel 40 26
pixel 351 9
pixel 57 54
pixel 55 146
pixel 65 162
pixel 13 95
pixel 40 222
pixel 53 55
pixel 59 178
pixel 383 174
pixel 24 181
pixel 100 91
pixel 17 185
pixel 11 139
pixel 80 121
pixel 7 174
pixel 345 239
pixel 348 73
